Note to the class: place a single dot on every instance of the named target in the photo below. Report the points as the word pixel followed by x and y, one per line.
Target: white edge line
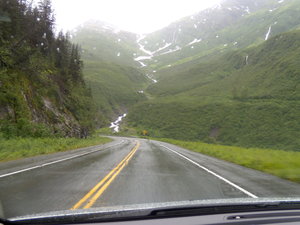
pixel 213 173
pixel 57 161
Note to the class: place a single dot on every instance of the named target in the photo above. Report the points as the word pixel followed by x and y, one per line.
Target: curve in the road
pixel 54 162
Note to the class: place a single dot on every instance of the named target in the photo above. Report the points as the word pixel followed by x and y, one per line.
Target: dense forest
pixel 42 91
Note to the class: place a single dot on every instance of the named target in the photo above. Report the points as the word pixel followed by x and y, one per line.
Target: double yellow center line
pixel 90 198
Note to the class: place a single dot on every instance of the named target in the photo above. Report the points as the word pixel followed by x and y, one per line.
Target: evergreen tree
pixel 38 63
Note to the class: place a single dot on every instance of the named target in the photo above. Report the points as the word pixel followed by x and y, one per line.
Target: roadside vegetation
pixel 17 148
pixel 42 89
pixel 284 164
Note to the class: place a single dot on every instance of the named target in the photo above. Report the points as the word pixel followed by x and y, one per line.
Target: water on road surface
pixel 128 171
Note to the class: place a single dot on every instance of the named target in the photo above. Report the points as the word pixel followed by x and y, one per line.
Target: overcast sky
pixel 139 16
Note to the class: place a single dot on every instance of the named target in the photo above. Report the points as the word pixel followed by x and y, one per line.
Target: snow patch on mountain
pixel 217 6
pixel 268 33
pixel 142 64
pixel 177 48
pixel 140 58
pixel 107 27
pixel 150 54
pixel 247 10
pixel 162 48
pixel 272 10
pixel 141 46
pixel 194 41
pixel 151 78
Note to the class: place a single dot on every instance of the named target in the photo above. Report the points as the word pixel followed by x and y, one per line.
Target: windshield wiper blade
pixel 155 212
pixel 220 209
pixel 5 222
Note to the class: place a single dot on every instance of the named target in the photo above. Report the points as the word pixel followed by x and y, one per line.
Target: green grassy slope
pixel 110 69
pixel 114 87
pixel 270 70
pixel 253 102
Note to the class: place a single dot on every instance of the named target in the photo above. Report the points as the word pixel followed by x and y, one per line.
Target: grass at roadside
pixel 284 164
pixel 18 148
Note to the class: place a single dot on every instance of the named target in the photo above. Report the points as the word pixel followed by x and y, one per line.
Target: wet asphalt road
pixel 155 172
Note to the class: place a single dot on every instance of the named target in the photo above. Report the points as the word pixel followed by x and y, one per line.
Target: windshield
pixel 114 104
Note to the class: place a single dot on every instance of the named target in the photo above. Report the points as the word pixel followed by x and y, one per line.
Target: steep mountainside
pixel 230 25
pixel 101 41
pixel 110 69
pixel 227 74
pixel 249 97
pixel 267 71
